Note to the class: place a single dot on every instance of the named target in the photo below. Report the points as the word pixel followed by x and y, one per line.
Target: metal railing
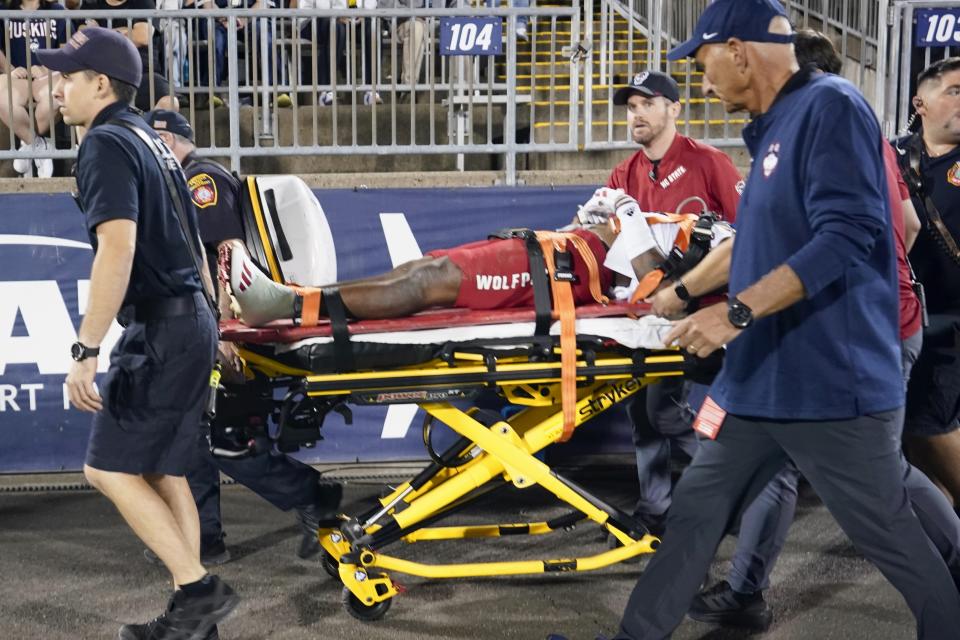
pixel 296 82
pixel 634 35
pixel 906 60
pixel 273 91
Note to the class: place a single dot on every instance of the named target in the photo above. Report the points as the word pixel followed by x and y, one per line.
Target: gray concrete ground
pixel 71 569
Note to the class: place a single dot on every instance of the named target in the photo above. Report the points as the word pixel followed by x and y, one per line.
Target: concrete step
pixel 560 76
pixel 559 112
pixel 547 66
pixel 559 132
pixel 562 91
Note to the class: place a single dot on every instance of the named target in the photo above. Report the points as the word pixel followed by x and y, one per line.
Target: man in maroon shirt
pixel 664 175
pixel 670 167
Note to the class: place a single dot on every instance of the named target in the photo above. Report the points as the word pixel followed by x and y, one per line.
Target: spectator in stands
pixel 318 36
pixel 522 21
pixel 364 32
pixel 25 81
pixel 411 34
pixel 154 90
pixel 205 27
pixel 348 34
pixel 250 39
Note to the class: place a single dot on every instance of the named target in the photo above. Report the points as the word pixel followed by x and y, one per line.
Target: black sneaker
pixel 722 605
pixel 309 536
pixel 210 556
pixel 146 630
pixel 322 514
pixel 192 617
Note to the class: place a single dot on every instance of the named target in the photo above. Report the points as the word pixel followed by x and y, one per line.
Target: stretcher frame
pixel 488 453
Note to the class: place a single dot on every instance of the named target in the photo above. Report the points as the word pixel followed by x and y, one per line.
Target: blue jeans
pixel 219 53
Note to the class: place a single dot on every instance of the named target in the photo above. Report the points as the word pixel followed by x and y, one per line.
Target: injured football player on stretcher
pixel 612 247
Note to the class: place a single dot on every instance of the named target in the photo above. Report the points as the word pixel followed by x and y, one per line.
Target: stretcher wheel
pixel 330 564
pixel 363 612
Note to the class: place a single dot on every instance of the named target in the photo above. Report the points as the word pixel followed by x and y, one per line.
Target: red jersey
pixel 496 273
pixel 689 168
pixel 910 312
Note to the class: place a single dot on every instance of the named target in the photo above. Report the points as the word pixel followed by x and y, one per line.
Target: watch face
pixel 740 316
pixel 76 351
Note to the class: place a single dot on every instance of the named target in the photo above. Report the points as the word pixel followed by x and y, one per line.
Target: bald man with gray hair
pixel 812 369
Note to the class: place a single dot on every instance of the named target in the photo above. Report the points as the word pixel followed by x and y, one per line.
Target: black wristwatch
pixel 80 351
pixel 739 314
pixel 681 290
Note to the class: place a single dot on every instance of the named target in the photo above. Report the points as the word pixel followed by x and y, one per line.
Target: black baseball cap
pixel 651 84
pixel 164 120
pixel 97 49
pixel 747 20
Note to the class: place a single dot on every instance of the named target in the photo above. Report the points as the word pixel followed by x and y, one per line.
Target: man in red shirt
pixel 667 174
pixel 671 168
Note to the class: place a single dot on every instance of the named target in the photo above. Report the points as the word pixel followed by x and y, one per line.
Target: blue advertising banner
pixel 44 286
pixel 471 36
pixel 938 27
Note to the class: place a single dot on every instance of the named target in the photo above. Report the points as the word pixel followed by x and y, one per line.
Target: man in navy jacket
pixel 812 371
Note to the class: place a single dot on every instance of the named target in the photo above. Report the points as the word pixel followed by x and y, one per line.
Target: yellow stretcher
pixel 491 450
pixel 437 373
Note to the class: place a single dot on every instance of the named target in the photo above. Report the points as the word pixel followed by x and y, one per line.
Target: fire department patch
pixel 203 190
pixel 953 175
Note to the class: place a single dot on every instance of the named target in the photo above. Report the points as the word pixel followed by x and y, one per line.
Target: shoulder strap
pixel 167 168
pixel 909 163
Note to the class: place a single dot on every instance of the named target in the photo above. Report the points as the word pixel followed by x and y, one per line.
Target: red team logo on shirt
pixel 203 190
pixel 953 175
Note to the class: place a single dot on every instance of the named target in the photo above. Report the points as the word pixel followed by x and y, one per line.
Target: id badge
pixel 710 419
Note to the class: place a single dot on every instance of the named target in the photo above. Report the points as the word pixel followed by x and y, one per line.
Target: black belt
pixel 157 308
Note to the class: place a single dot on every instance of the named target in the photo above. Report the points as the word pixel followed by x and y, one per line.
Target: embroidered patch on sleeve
pixel 203 190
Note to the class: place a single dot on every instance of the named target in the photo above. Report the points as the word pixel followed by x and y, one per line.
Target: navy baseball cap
pixel 651 84
pixel 97 49
pixel 747 20
pixel 164 120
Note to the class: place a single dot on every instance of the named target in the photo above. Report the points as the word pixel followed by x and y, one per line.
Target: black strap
pixel 168 166
pixel 539 276
pixel 680 262
pixel 337 312
pixel 909 163
pixel 540 281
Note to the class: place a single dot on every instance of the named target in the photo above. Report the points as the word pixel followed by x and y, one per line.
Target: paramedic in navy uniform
pixel 283 481
pixel 812 370
pixel 146 420
pixel 932 428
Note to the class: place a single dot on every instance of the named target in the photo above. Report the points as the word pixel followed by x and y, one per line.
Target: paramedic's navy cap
pixel 650 84
pixel 163 120
pixel 97 49
pixel 747 20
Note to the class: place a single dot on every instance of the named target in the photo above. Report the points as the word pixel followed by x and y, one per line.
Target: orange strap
pixel 586 255
pixel 649 283
pixel 563 304
pixel 310 310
